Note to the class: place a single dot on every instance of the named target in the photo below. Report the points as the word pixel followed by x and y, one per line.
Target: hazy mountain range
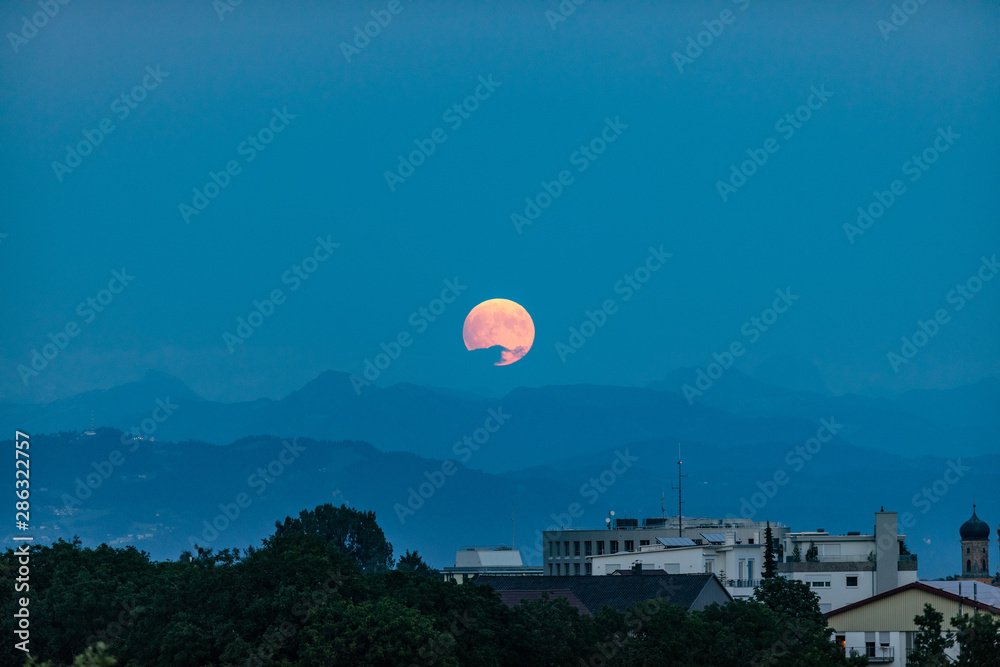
pixel 370 451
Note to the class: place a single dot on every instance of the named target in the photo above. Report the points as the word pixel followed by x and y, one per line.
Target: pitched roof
pixel 984 593
pixel 513 598
pixel 920 586
pixel 619 593
pixel 645 572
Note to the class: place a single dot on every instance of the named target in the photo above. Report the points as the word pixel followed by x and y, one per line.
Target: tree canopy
pixel 322 591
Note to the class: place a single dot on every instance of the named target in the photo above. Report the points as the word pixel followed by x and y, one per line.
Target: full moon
pixel 499 322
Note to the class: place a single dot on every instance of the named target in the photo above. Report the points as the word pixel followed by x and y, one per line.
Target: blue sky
pixel 323 175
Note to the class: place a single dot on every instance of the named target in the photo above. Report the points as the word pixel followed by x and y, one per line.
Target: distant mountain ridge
pixel 165 496
pixel 546 423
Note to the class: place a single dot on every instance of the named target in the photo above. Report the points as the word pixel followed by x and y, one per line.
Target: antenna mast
pixel 680 503
pixel 512 547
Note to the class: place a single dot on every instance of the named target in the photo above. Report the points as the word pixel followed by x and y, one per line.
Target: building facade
pixel 843 569
pixel 571 552
pixel 473 561
pixel 882 626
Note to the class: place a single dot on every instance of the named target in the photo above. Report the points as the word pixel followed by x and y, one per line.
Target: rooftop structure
pixel 494 560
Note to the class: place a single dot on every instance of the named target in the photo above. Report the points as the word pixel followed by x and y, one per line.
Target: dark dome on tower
pixel 975 528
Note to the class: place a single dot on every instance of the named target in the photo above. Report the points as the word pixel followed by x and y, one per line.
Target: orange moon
pixel 499 322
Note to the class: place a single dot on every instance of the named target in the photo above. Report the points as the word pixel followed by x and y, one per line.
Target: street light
pixel 608 520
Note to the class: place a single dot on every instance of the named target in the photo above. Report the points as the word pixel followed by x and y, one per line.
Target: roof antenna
pixel 680 504
pixel 512 547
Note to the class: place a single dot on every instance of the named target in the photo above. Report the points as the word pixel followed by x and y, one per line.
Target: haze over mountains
pixel 534 451
pixel 546 424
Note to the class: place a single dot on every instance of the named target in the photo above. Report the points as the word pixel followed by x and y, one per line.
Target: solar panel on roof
pixel 675 541
pixel 715 538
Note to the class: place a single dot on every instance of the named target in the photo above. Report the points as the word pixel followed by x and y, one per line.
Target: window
pixel 576 549
pixel 750 569
pixel 828 550
pixel 629 545
pixel 553 549
pixel 588 568
pixel 614 546
pixel 566 551
pixel 643 543
pixel 825 607
pixel 820 584
pixel 587 551
pixel 751 541
pixel 576 569
pixel 709 565
pixel 600 548
pixel 852 581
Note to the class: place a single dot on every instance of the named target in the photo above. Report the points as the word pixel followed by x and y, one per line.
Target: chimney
pixel 730 537
pixel 886 552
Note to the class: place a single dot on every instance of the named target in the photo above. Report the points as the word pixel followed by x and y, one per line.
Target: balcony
pixel 875 654
pixel 742 583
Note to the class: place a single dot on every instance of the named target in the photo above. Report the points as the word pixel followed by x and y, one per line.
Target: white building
pixel 840 569
pixel 570 551
pixel 737 564
pixel 844 569
pixel 501 560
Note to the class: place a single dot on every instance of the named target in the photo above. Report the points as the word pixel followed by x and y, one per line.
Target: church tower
pixel 975 547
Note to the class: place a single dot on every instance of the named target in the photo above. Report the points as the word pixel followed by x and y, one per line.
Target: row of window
pixel 563 569
pixel 558 549
pixel 850 582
